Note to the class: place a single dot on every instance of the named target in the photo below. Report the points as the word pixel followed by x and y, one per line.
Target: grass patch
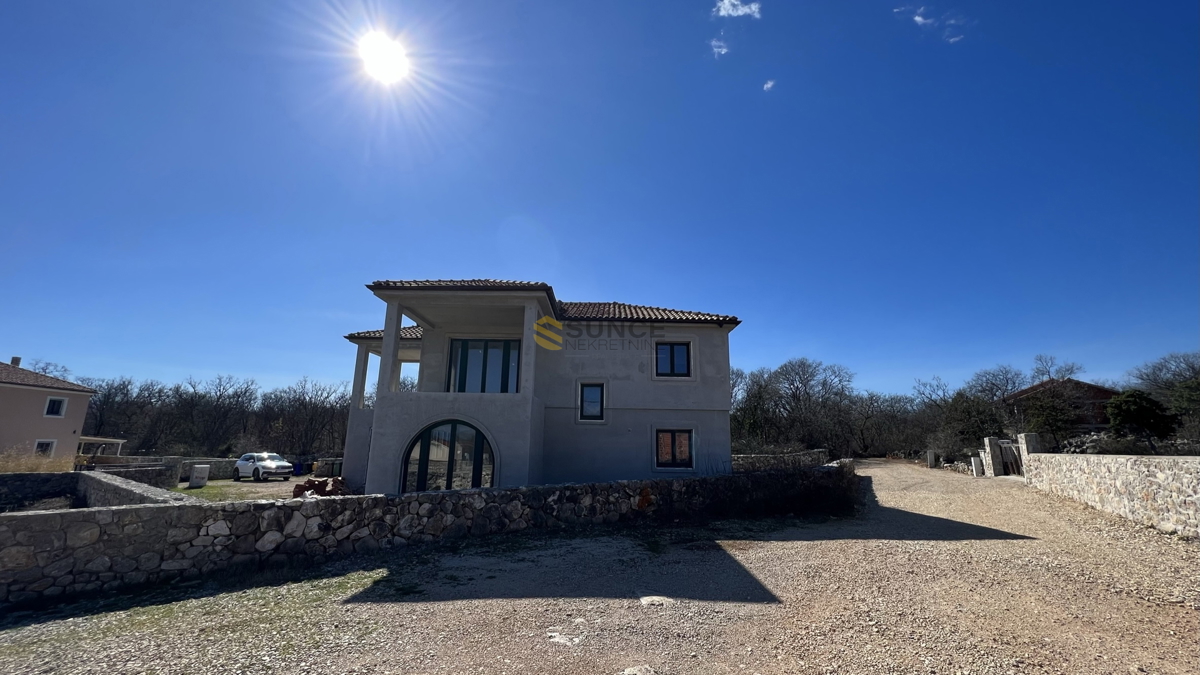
pixel 228 491
pixel 25 461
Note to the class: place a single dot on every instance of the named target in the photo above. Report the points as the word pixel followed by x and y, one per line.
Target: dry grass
pixel 15 460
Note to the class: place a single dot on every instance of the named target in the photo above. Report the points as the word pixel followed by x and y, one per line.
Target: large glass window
pixel 449 455
pixel 673 449
pixel 484 366
pixel 591 401
pixel 673 359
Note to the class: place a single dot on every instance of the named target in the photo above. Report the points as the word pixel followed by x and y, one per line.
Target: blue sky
pixel 201 188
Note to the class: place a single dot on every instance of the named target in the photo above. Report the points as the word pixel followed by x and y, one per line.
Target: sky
pixel 192 189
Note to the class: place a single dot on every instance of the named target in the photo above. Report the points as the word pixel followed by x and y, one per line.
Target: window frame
pixel 675 465
pixel 603 402
pixel 688 344
pixel 456 373
pixel 53 446
pixel 62 412
pixel 422 442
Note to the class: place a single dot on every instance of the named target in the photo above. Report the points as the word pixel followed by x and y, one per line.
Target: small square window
pixel 673 359
pixel 591 401
pixel 673 449
pixel 45 447
pixel 56 407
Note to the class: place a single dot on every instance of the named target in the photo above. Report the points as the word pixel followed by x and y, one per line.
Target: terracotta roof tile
pixel 460 285
pixel 406 333
pixel 620 311
pixel 591 311
pixel 10 374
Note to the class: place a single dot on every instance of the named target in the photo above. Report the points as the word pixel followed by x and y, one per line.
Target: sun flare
pixel 383 58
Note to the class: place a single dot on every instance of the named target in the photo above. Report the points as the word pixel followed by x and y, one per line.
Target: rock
pixel 149 561
pixel 61 567
pixel 366 545
pixel 656 601
pixel 82 534
pixel 98 564
pixel 295 526
pixel 219 529
pixel 180 564
pixel 179 535
pixel 42 541
pixel 17 557
pixel 269 541
pixel 272 520
pixel 243 523
pixel 314 528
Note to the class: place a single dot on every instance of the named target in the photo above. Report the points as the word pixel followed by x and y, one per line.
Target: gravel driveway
pixel 940 574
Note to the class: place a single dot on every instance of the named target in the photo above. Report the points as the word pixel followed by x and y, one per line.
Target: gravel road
pixel 941 573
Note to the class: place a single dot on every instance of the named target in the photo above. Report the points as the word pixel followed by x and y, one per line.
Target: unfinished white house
pixel 517 388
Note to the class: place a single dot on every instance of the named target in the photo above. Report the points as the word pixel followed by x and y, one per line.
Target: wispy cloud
pixel 952 22
pixel 736 8
pixel 769 85
pixel 718 48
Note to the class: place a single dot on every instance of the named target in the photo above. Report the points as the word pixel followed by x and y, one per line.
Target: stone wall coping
pixel 1192 458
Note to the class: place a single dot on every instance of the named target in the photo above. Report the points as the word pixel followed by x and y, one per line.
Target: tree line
pixel 805 403
pixel 802 404
pixel 220 417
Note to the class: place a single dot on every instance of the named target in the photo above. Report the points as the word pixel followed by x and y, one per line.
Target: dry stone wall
pixel 779 462
pixel 82 488
pixel 218 469
pixel 1162 492
pixel 101 488
pixel 164 476
pixel 18 490
pixel 49 555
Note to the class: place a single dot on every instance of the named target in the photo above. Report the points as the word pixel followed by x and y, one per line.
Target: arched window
pixel 449 455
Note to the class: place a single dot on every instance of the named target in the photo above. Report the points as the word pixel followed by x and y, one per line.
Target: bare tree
pixel 215 411
pixel 1046 367
pixel 1161 376
pixel 934 393
pixel 304 420
pixel 997 384
pixel 49 368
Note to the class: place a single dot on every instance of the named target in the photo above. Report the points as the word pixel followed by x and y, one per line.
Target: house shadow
pixel 649 560
pixel 692 561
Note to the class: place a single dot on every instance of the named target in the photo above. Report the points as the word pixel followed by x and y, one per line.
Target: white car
pixel 261 466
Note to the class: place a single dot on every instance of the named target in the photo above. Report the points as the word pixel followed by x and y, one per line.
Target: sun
pixel 383 58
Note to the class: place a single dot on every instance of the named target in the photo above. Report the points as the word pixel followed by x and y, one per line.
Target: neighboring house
pixel 517 388
pixel 1087 399
pixel 40 414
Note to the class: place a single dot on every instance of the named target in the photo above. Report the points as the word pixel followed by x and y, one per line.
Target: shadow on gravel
pixel 693 562
pixel 687 561
pixel 876 521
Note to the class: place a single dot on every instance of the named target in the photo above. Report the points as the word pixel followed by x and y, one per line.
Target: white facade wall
pixel 536 434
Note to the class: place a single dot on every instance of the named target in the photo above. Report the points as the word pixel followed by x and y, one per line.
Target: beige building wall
pixel 23 419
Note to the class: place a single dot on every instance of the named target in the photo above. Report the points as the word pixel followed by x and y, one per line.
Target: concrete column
pixel 359 385
pixel 993 461
pixel 528 349
pixel 389 365
pixel 1029 444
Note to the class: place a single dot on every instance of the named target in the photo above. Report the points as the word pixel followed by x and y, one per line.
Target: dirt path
pixel 943 574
